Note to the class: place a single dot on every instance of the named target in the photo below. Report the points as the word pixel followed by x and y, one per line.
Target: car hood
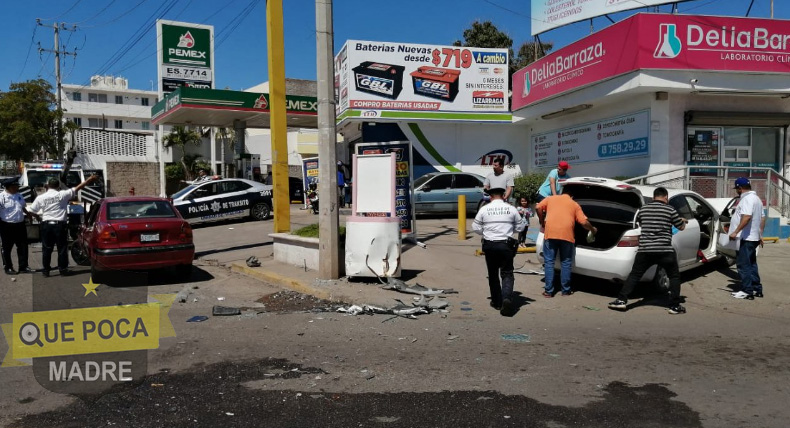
pixel 603 189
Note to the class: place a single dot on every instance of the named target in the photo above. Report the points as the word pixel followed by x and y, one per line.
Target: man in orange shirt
pixel 558 216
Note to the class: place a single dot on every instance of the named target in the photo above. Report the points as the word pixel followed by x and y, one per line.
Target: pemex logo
pixel 261 103
pixel 186 40
pixel 669 45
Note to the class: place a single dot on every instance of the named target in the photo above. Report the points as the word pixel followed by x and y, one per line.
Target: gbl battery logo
pixel 375 84
pixel 85 336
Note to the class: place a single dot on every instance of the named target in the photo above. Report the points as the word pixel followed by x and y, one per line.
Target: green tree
pixel 28 120
pixel 181 137
pixel 526 54
pixel 486 35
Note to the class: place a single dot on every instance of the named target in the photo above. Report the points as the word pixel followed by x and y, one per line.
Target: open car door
pixel 725 208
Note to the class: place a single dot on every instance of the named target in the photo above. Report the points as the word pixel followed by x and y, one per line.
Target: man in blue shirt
pixel 551 186
pixel 12 227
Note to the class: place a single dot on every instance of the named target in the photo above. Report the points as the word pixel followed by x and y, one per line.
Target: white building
pixel 109 104
pixel 115 135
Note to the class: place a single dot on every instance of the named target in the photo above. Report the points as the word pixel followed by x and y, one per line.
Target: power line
pixel 32 39
pixel 240 18
pixel 97 13
pixel 125 13
pixel 64 13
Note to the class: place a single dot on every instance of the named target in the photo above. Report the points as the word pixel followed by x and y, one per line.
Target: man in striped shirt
pixel 656 220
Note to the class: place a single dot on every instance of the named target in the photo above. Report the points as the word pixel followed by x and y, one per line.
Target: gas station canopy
pixel 220 108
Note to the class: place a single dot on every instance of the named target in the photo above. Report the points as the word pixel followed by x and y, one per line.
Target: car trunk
pixel 611 210
pixel 147 232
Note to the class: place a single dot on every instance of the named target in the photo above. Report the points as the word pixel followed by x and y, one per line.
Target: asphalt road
pixel 576 364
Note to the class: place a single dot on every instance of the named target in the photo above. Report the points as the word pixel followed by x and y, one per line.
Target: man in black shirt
pixel 655 248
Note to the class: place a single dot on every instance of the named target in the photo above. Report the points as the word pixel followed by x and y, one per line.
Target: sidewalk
pixel 446 262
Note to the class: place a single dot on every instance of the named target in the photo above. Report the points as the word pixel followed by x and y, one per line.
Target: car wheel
pixel 79 255
pixel 261 211
pixel 98 276
pixel 184 272
pixel 661 280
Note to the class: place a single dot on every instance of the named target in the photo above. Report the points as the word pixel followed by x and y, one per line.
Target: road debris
pixel 520 338
pixel 591 308
pixel 422 306
pixel 398 285
pixel 198 318
pixel 253 261
pixel 221 311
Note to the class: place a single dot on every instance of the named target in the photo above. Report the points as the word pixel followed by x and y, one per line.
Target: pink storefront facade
pixel 660 91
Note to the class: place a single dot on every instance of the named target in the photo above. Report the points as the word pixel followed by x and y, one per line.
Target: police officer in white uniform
pixel 497 222
pixel 53 205
pixel 12 227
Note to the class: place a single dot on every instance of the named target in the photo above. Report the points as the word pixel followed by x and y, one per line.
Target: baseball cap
pixel 11 182
pixel 496 191
pixel 564 165
pixel 742 181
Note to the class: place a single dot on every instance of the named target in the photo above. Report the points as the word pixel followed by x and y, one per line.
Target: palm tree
pixel 180 137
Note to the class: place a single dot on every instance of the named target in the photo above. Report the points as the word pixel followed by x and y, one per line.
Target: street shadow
pixel 199 254
pixel 429 237
pixel 519 301
pixel 170 276
pixel 406 275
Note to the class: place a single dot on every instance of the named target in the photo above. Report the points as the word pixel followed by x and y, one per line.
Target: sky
pixel 118 37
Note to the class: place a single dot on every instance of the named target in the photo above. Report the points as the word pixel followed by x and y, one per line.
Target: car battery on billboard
pixel 381 79
pixel 435 82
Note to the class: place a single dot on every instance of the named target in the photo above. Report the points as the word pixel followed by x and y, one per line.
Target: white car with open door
pixel 611 206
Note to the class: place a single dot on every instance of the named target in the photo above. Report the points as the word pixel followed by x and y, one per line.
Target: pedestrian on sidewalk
pixel 551 186
pixel 496 222
pixel 749 224
pixel 656 220
pixel 53 206
pixel 558 216
pixel 499 179
pixel 12 227
pixel 526 213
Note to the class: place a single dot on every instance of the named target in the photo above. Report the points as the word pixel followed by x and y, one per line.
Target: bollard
pixel 462 217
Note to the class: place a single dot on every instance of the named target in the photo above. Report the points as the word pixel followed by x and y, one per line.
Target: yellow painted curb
pixel 284 281
pixel 520 251
pixel 773 239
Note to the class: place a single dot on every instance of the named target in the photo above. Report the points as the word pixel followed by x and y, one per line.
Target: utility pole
pixel 328 219
pixel 772 9
pixel 58 26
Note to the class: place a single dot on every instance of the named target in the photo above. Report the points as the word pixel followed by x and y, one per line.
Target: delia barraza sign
pixel 550 14
pixel 185 55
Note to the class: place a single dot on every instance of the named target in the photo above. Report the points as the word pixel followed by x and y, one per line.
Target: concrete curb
pixel 289 283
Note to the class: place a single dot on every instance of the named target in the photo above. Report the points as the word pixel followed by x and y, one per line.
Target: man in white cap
pixel 12 227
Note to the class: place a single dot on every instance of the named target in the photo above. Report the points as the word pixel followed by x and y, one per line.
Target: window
pixel 139 209
pixel 119 99
pixel 102 98
pixel 93 98
pixel 118 124
pixel 77 96
pixel 93 123
pixel 146 125
pixel 204 191
pixel 682 207
pixel 441 182
pixel 144 101
pixel 465 181
pixel 77 121
pixel 233 186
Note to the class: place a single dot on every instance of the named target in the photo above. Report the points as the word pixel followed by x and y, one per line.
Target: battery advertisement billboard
pixel 185 55
pixel 410 81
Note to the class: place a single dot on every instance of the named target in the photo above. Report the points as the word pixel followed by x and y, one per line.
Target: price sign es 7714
pixel 381 76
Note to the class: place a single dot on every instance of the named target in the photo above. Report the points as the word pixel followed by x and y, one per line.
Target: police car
pixel 225 199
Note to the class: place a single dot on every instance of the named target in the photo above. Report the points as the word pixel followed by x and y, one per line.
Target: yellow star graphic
pixel 90 287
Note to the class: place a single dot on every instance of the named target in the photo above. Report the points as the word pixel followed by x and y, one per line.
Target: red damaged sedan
pixel 135 233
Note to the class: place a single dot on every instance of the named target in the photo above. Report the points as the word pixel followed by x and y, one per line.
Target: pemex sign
pixel 185 55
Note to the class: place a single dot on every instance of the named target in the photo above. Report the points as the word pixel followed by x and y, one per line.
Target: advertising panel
pixel 403 173
pixel 605 139
pixel 402 80
pixel 550 14
pixel 185 55
pixel 657 41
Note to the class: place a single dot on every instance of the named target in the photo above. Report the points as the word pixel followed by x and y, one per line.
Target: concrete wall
pixel 143 176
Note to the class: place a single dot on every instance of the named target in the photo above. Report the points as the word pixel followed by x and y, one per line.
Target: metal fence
pixel 719 181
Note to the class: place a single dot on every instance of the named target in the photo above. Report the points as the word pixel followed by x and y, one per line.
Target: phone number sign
pixel 606 139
